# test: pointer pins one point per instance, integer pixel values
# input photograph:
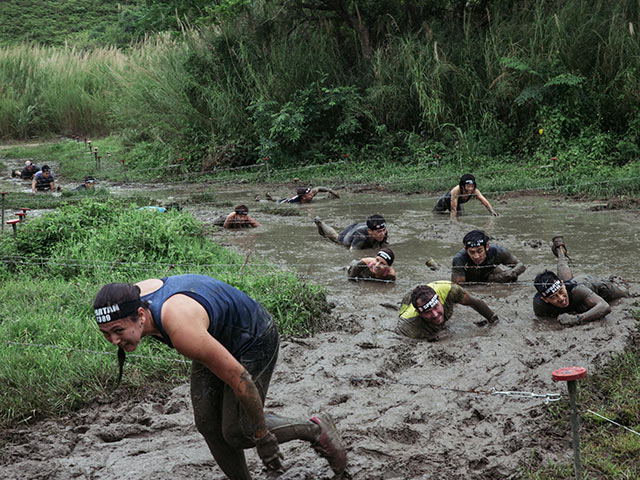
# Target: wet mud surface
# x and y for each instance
(406, 409)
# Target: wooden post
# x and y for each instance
(3, 194)
(555, 161)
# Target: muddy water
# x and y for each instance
(394, 400)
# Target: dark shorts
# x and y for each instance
(215, 403)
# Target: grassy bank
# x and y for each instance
(608, 451)
(52, 358)
(432, 175)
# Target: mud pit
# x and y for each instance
(392, 398)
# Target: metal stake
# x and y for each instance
(3, 194)
(570, 375)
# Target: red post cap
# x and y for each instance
(4, 193)
(25, 209)
(568, 374)
(13, 222)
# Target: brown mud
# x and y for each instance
(406, 409)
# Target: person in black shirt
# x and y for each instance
(574, 300)
(357, 236)
(481, 262)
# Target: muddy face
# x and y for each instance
(560, 299)
(478, 254)
(125, 333)
(379, 267)
(434, 315)
(378, 234)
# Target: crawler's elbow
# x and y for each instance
(606, 310)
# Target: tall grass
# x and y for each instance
(259, 84)
(50, 90)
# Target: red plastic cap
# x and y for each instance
(13, 222)
(569, 373)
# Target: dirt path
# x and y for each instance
(395, 400)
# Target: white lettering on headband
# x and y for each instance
(116, 311)
(470, 182)
(475, 243)
(430, 304)
(553, 288)
(384, 255)
(379, 226)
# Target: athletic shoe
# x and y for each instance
(556, 243)
(328, 443)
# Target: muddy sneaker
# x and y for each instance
(269, 197)
(556, 243)
(328, 443)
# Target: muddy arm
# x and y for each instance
(357, 268)
(229, 220)
(316, 190)
(485, 202)
(480, 307)
(599, 308)
(454, 202)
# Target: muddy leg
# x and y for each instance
(325, 230)
(564, 272)
(207, 393)
(614, 287)
(287, 429)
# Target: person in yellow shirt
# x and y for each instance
(425, 310)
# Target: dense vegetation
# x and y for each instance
(299, 83)
(50, 273)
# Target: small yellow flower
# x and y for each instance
(540, 131)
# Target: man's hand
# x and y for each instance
(269, 451)
(568, 320)
(502, 273)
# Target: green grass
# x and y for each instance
(51, 359)
(608, 451)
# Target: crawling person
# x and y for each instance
(480, 262)
(173, 206)
(357, 236)
(304, 195)
(233, 343)
(87, 186)
(43, 180)
(574, 300)
(425, 311)
(463, 192)
(378, 268)
(239, 218)
(27, 172)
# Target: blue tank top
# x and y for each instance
(235, 319)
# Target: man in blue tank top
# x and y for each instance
(233, 343)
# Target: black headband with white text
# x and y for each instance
(430, 304)
(116, 311)
(551, 289)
